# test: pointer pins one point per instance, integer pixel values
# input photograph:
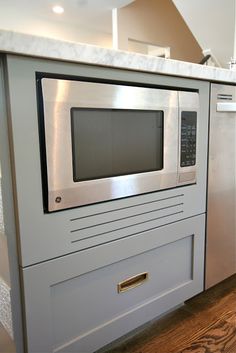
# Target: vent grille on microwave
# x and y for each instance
(104, 227)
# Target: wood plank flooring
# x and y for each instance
(205, 324)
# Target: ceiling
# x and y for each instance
(88, 13)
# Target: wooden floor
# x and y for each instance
(205, 324)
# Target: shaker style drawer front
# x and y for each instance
(94, 296)
(83, 301)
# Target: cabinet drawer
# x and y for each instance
(86, 305)
(94, 296)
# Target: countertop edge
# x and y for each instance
(49, 48)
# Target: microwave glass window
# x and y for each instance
(108, 142)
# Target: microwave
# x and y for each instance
(104, 141)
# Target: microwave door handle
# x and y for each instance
(226, 107)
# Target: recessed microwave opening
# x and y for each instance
(115, 142)
(106, 141)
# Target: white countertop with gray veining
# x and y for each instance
(36, 46)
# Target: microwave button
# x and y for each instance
(188, 138)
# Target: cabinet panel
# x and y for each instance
(46, 236)
(94, 296)
(74, 303)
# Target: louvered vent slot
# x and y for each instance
(100, 228)
(226, 97)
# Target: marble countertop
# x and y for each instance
(36, 46)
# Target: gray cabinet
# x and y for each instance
(78, 266)
(80, 302)
(46, 236)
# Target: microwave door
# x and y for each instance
(106, 141)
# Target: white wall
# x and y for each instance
(157, 22)
(12, 18)
(212, 24)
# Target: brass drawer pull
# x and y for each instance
(132, 282)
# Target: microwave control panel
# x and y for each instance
(188, 139)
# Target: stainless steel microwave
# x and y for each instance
(105, 141)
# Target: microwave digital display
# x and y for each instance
(112, 142)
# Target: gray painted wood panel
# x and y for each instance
(73, 301)
(72, 260)
(10, 234)
(46, 236)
